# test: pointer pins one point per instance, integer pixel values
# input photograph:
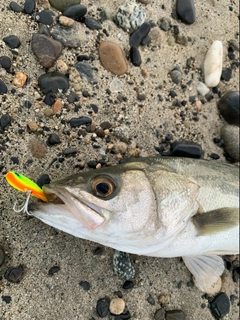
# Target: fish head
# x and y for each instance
(108, 205)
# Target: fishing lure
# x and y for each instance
(22, 183)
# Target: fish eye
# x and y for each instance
(103, 186)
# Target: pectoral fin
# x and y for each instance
(206, 270)
(215, 221)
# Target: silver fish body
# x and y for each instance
(162, 207)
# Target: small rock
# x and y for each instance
(181, 39)
(19, 79)
(130, 16)
(53, 270)
(72, 97)
(184, 149)
(77, 122)
(5, 121)
(123, 265)
(57, 106)
(135, 56)
(112, 57)
(137, 36)
(52, 82)
(85, 285)
(49, 98)
(92, 24)
(128, 285)
(230, 135)
(70, 37)
(44, 17)
(105, 125)
(46, 50)
(202, 89)
(176, 76)
(121, 147)
(53, 139)
(87, 72)
(220, 306)
(175, 315)
(2, 255)
(102, 307)
(6, 299)
(75, 12)
(213, 64)
(5, 62)
(159, 314)
(229, 107)
(66, 22)
(226, 74)
(61, 5)
(156, 36)
(33, 126)
(43, 180)
(38, 148)
(122, 133)
(29, 6)
(117, 306)
(164, 299)
(3, 87)
(15, 7)
(14, 274)
(186, 11)
(12, 41)
(48, 112)
(165, 24)
(116, 85)
(150, 300)
(70, 151)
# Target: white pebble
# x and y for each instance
(202, 89)
(213, 64)
(117, 306)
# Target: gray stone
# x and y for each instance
(87, 72)
(61, 5)
(123, 265)
(176, 76)
(70, 37)
(230, 136)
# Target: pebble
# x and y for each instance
(85, 285)
(75, 12)
(46, 50)
(2, 255)
(156, 36)
(116, 85)
(61, 66)
(44, 17)
(226, 74)
(15, 7)
(159, 314)
(92, 24)
(5, 121)
(117, 306)
(77, 122)
(14, 160)
(3, 87)
(70, 151)
(48, 112)
(57, 106)
(53, 270)
(122, 133)
(27, 104)
(61, 5)
(105, 125)
(164, 299)
(135, 56)
(53, 139)
(72, 97)
(6, 299)
(70, 37)
(229, 107)
(52, 82)
(213, 64)
(186, 11)
(38, 148)
(176, 76)
(220, 306)
(202, 89)
(181, 39)
(137, 36)
(29, 6)
(184, 149)
(14, 274)
(123, 265)
(150, 300)
(130, 16)
(120, 147)
(112, 57)
(19, 79)
(12, 41)
(102, 307)
(175, 315)
(43, 29)
(230, 135)
(33, 126)
(128, 285)
(66, 22)
(87, 72)
(43, 180)
(165, 24)
(5, 62)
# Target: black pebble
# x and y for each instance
(123, 316)
(92, 164)
(137, 36)
(135, 56)
(15, 160)
(6, 299)
(94, 107)
(75, 12)
(220, 306)
(235, 274)
(12, 41)
(27, 104)
(5, 62)
(53, 270)
(214, 156)
(85, 285)
(49, 99)
(226, 74)
(77, 122)
(43, 179)
(5, 121)
(14, 274)
(102, 307)
(73, 97)
(52, 81)
(186, 11)
(159, 314)
(105, 125)
(44, 17)
(83, 57)
(184, 149)
(15, 7)
(175, 315)
(53, 139)
(29, 6)
(2, 255)
(98, 251)
(128, 284)
(151, 300)
(92, 24)
(3, 87)
(209, 96)
(141, 97)
(229, 107)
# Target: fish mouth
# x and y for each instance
(63, 203)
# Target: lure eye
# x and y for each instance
(103, 186)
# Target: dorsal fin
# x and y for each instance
(215, 221)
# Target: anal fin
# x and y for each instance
(206, 270)
(215, 221)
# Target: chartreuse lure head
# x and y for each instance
(22, 183)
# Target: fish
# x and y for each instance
(155, 206)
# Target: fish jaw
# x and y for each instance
(83, 213)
